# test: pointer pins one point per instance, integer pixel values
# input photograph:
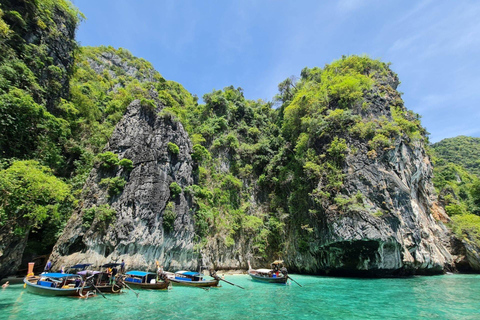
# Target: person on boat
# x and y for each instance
(48, 266)
(114, 273)
(213, 273)
(122, 267)
(63, 269)
(108, 271)
(159, 271)
(6, 284)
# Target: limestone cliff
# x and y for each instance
(340, 184)
(137, 233)
(384, 219)
(404, 235)
(352, 186)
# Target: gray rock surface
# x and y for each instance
(397, 226)
(396, 229)
(404, 237)
(11, 250)
(138, 234)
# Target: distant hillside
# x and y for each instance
(461, 150)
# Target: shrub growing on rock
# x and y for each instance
(127, 164)
(108, 160)
(169, 216)
(175, 189)
(114, 185)
(103, 214)
(173, 148)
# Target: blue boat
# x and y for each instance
(145, 280)
(57, 284)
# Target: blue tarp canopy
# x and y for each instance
(189, 273)
(58, 275)
(81, 266)
(138, 273)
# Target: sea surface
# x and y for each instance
(436, 297)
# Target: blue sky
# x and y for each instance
(433, 45)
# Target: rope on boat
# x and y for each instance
(126, 285)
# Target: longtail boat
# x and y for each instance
(101, 281)
(191, 279)
(57, 284)
(145, 280)
(277, 274)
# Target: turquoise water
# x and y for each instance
(440, 297)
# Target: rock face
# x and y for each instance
(403, 238)
(138, 233)
(392, 223)
(11, 251)
(465, 253)
(384, 219)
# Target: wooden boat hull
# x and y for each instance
(268, 279)
(109, 289)
(46, 291)
(199, 284)
(153, 286)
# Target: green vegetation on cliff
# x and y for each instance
(260, 171)
(463, 151)
(456, 178)
(234, 140)
(32, 197)
(36, 62)
(290, 159)
(37, 49)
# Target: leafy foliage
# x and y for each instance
(103, 214)
(169, 216)
(173, 148)
(458, 187)
(127, 164)
(108, 160)
(467, 226)
(175, 189)
(114, 185)
(30, 194)
(461, 150)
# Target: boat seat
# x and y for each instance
(46, 284)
